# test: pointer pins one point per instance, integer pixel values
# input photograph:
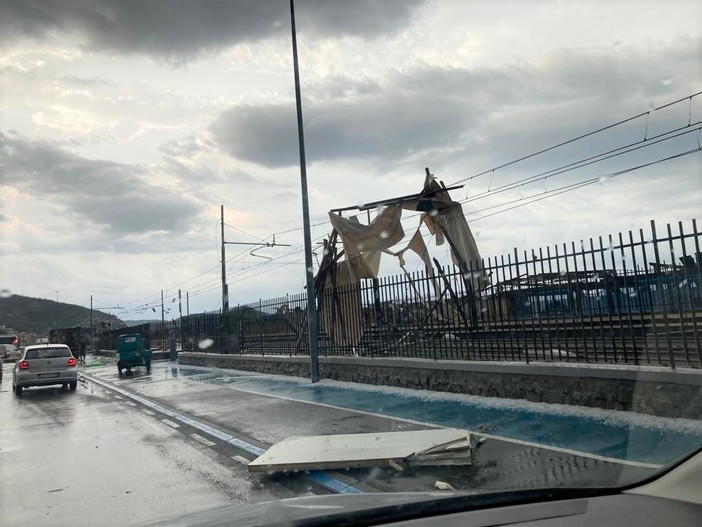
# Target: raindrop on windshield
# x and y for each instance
(5, 293)
(384, 235)
(433, 213)
(205, 343)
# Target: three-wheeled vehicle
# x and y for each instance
(131, 353)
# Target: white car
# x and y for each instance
(44, 366)
(9, 352)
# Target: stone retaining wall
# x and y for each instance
(648, 390)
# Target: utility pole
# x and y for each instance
(92, 340)
(311, 297)
(163, 318)
(225, 289)
(187, 302)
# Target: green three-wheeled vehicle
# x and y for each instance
(131, 353)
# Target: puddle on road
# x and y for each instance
(621, 435)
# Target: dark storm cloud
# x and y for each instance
(384, 126)
(113, 196)
(174, 29)
(491, 112)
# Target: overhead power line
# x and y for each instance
(154, 300)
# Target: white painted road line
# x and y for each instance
(170, 423)
(202, 440)
(241, 460)
(148, 412)
(319, 477)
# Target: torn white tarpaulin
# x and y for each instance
(340, 306)
(445, 446)
(445, 220)
(363, 244)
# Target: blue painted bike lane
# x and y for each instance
(612, 434)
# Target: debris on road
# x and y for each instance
(445, 446)
(442, 485)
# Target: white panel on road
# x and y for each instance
(445, 446)
(170, 423)
(147, 412)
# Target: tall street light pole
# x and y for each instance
(225, 289)
(56, 296)
(309, 271)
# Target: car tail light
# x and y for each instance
(24, 365)
(72, 361)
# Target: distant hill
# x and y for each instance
(24, 314)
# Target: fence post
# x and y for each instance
(260, 310)
(654, 240)
(241, 329)
(526, 343)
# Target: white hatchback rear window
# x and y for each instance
(48, 353)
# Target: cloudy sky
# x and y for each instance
(125, 124)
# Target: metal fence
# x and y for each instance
(629, 299)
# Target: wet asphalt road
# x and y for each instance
(97, 457)
(90, 458)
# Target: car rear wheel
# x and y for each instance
(72, 385)
(148, 366)
(18, 391)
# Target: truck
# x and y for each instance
(75, 338)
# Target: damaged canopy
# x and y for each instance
(338, 281)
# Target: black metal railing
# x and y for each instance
(625, 299)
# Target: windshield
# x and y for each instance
(422, 245)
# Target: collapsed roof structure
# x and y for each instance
(337, 283)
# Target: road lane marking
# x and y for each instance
(117, 397)
(131, 403)
(202, 440)
(148, 412)
(247, 447)
(325, 480)
(170, 423)
(319, 477)
(241, 460)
